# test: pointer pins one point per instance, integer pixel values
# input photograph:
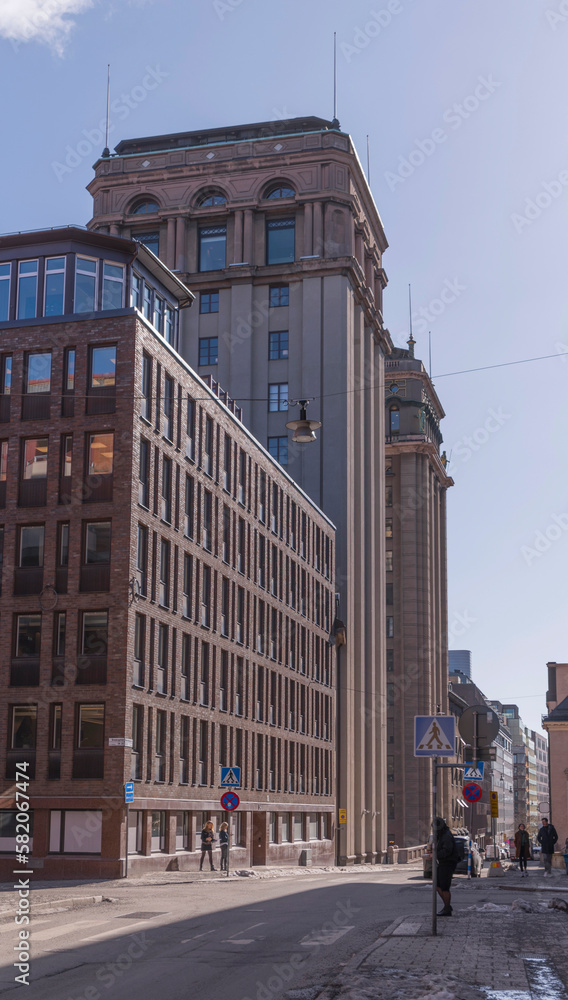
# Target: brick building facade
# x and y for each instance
(167, 590)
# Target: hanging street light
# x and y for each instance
(304, 429)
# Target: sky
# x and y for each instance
(465, 108)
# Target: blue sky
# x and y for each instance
(465, 107)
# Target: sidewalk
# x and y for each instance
(483, 952)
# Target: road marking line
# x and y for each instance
(10, 925)
(196, 936)
(58, 931)
(116, 932)
(239, 941)
(245, 929)
(325, 937)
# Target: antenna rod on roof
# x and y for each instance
(106, 150)
(335, 123)
(410, 307)
(368, 163)
(430, 352)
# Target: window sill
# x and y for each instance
(145, 420)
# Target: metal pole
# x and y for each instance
(434, 849)
(127, 829)
(229, 817)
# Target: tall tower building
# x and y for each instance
(416, 588)
(275, 227)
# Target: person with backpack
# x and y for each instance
(547, 837)
(447, 855)
(522, 849)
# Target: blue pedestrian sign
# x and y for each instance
(230, 777)
(129, 791)
(434, 735)
(474, 773)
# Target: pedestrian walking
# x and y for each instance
(448, 856)
(547, 837)
(224, 843)
(207, 841)
(523, 849)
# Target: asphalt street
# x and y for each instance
(242, 939)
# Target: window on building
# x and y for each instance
(144, 474)
(226, 534)
(158, 839)
(187, 585)
(54, 286)
(278, 448)
(5, 270)
(136, 291)
(164, 573)
(139, 650)
(280, 191)
(388, 527)
(278, 345)
(31, 545)
(189, 505)
(103, 367)
(227, 464)
(208, 350)
(168, 408)
(261, 561)
(212, 248)
(85, 284)
(209, 302)
(94, 639)
(394, 419)
(5, 371)
(207, 520)
(75, 831)
(24, 727)
(240, 615)
(277, 397)
(262, 497)
(390, 627)
(63, 544)
(204, 675)
(206, 596)
(166, 490)
(38, 372)
(203, 752)
(159, 313)
(388, 562)
(190, 428)
(208, 447)
(55, 727)
(27, 289)
(225, 592)
(242, 477)
(280, 241)
(150, 240)
(147, 300)
(90, 732)
(146, 398)
(389, 593)
(390, 661)
(69, 370)
(113, 286)
(145, 208)
(59, 632)
(224, 682)
(388, 496)
(97, 542)
(162, 663)
(208, 200)
(100, 454)
(279, 295)
(28, 635)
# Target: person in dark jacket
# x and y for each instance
(547, 837)
(522, 849)
(207, 839)
(224, 844)
(448, 856)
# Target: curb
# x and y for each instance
(73, 903)
(330, 991)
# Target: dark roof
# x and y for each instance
(560, 713)
(233, 133)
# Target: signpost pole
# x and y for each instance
(229, 817)
(434, 848)
(127, 829)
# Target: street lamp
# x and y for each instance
(304, 429)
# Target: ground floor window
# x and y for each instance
(182, 831)
(285, 827)
(8, 831)
(159, 830)
(75, 831)
(135, 828)
(313, 826)
(273, 826)
(298, 826)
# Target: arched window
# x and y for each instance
(394, 419)
(145, 208)
(214, 198)
(280, 191)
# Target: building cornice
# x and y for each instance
(421, 447)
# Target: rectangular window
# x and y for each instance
(227, 464)
(240, 637)
(278, 345)
(208, 447)
(113, 286)
(170, 326)
(103, 367)
(136, 291)
(169, 408)
(139, 639)
(59, 630)
(209, 302)
(389, 594)
(388, 527)
(63, 544)
(85, 285)
(224, 682)
(225, 591)
(167, 490)
(159, 313)
(388, 496)
(66, 455)
(97, 542)
(277, 397)
(390, 626)
(162, 666)
(147, 300)
(28, 635)
(204, 675)
(298, 826)
(158, 842)
(207, 520)
(185, 667)
(388, 562)
(27, 289)
(55, 727)
(164, 573)
(75, 831)
(100, 454)
(206, 596)
(203, 752)
(5, 372)
(90, 732)
(226, 534)
(4, 292)
(280, 243)
(208, 350)
(187, 584)
(212, 248)
(278, 448)
(24, 726)
(262, 497)
(144, 474)
(54, 286)
(190, 444)
(241, 545)
(31, 545)
(69, 370)
(146, 400)
(189, 505)
(38, 372)
(150, 240)
(94, 640)
(242, 477)
(279, 295)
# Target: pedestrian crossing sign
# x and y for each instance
(230, 777)
(474, 772)
(434, 736)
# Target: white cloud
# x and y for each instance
(45, 21)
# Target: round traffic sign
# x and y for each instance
(472, 791)
(480, 718)
(230, 801)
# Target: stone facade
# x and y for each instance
(170, 611)
(275, 228)
(556, 725)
